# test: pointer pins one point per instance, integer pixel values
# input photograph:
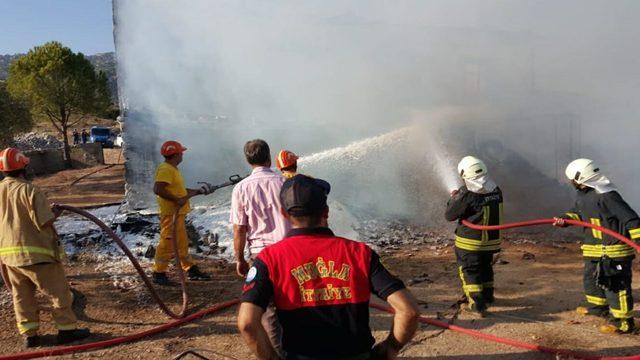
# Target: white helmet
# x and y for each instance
(581, 170)
(471, 167)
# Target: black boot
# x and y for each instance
(487, 294)
(67, 336)
(32, 341)
(161, 279)
(195, 274)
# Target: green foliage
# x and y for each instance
(58, 83)
(14, 116)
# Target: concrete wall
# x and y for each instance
(45, 162)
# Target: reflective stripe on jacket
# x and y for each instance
(482, 209)
(608, 210)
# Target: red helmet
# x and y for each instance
(171, 148)
(12, 159)
(286, 159)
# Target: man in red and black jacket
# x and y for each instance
(321, 285)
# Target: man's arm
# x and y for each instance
(456, 206)
(626, 215)
(239, 243)
(250, 326)
(405, 322)
(160, 189)
(573, 214)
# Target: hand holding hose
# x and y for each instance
(559, 222)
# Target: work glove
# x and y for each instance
(206, 189)
(559, 222)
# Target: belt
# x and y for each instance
(363, 356)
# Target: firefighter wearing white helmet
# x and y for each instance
(479, 201)
(607, 261)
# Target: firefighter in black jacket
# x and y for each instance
(607, 261)
(480, 202)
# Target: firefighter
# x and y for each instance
(607, 261)
(479, 201)
(321, 285)
(30, 250)
(171, 194)
(287, 163)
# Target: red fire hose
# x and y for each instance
(136, 264)
(121, 340)
(550, 222)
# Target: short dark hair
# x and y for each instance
(257, 152)
(308, 221)
(15, 173)
(292, 168)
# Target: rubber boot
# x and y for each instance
(474, 310)
(599, 311)
(618, 326)
(67, 336)
(487, 295)
(195, 274)
(161, 279)
(32, 341)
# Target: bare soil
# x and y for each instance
(88, 187)
(538, 287)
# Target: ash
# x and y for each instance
(390, 235)
(35, 141)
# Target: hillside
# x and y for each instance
(102, 62)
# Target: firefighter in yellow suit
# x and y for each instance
(30, 250)
(172, 195)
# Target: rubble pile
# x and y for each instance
(35, 141)
(393, 235)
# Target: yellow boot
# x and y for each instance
(582, 311)
(609, 329)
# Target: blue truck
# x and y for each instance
(102, 135)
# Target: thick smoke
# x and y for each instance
(526, 85)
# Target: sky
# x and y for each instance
(83, 25)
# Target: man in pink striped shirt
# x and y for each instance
(257, 220)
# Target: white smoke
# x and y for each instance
(526, 85)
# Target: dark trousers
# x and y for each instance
(476, 273)
(617, 299)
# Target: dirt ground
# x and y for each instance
(538, 288)
(89, 187)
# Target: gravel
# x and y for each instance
(35, 141)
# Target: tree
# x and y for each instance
(14, 116)
(59, 83)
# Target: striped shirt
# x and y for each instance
(255, 203)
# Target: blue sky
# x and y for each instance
(83, 25)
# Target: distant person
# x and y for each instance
(76, 137)
(479, 201)
(85, 136)
(287, 163)
(607, 261)
(30, 250)
(257, 220)
(173, 195)
(321, 285)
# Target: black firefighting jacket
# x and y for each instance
(612, 212)
(482, 209)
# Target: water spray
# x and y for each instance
(358, 150)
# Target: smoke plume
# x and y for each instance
(525, 85)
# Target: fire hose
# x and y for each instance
(224, 305)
